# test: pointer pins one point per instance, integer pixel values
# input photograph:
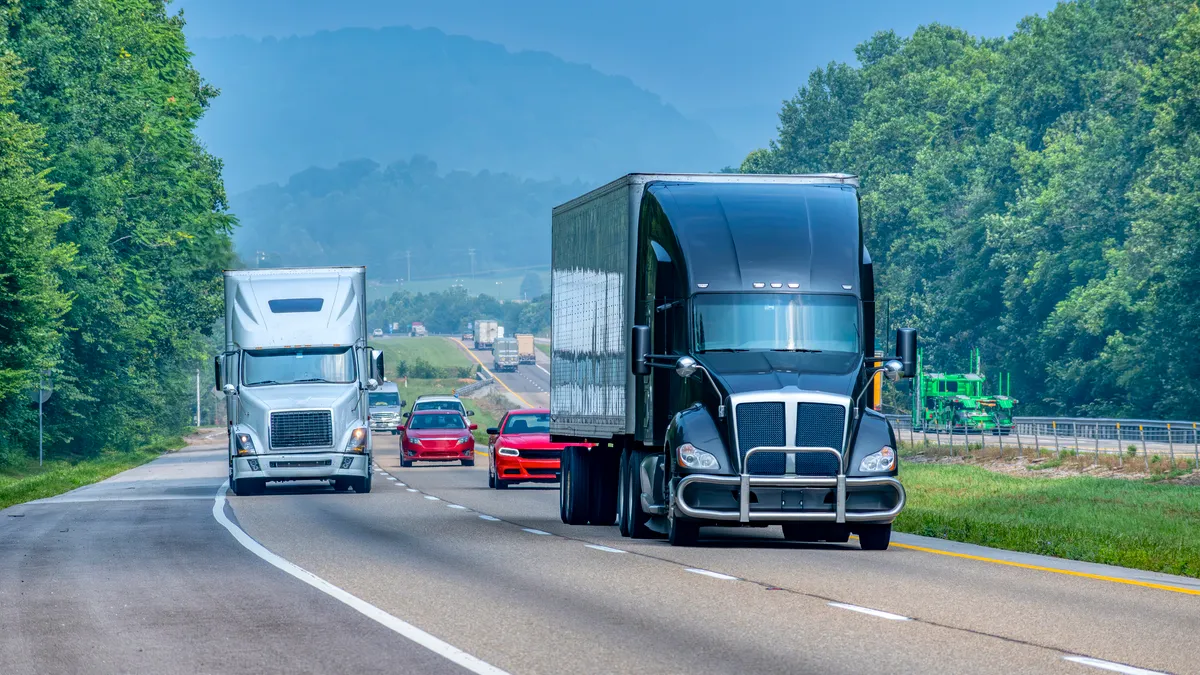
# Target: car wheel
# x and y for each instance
(468, 462)
(502, 484)
(406, 463)
(491, 475)
(874, 537)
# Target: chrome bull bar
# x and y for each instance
(745, 481)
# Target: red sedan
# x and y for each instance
(521, 450)
(436, 436)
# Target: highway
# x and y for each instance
(159, 570)
(528, 387)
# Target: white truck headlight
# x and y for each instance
(691, 457)
(358, 440)
(508, 452)
(884, 460)
(245, 444)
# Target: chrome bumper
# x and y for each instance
(744, 482)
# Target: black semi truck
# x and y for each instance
(713, 353)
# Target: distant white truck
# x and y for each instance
(296, 372)
(526, 352)
(486, 332)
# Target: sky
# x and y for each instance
(730, 64)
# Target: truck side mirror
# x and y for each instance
(906, 349)
(219, 368)
(639, 344)
(377, 365)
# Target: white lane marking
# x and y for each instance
(1114, 667)
(484, 516)
(411, 490)
(385, 473)
(390, 478)
(401, 484)
(867, 610)
(433, 644)
(539, 366)
(457, 506)
(606, 549)
(530, 530)
(431, 498)
(715, 575)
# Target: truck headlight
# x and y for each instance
(884, 460)
(508, 452)
(245, 444)
(691, 457)
(358, 440)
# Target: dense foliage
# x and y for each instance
(316, 100)
(405, 214)
(1038, 196)
(450, 311)
(113, 228)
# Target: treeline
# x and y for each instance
(405, 216)
(113, 228)
(1036, 195)
(449, 312)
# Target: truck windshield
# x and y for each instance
(293, 366)
(384, 399)
(775, 321)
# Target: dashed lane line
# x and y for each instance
(1112, 666)
(394, 623)
(867, 610)
(606, 549)
(709, 573)
(530, 530)
(490, 373)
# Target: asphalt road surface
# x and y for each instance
(528, 387)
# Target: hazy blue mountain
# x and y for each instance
(385, 94)
(362, 213)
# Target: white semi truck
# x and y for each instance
(296, 372)
(486, 332)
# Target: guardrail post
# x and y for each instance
(1195, 446)
(1020, 448)
(1054, 427)
(1075, 433)
(1120, 450)
(1145, 453)
(1096, 433)
(1037, 442)
(1171, 446)
(1000, 438)
(938, 435)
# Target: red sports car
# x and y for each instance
(521, 450)
(437, 436)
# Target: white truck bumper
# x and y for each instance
(302, 466)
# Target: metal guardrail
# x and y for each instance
(1104, 429)
(473, 387)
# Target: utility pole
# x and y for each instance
(471, 252)
(408, 257)
(41, 400)
(197, 397)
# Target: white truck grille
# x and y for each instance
(301, 429)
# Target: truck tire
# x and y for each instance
(812, 532)
(341, 484)
(630, 518)
(248, 487)
(874, 537)
(605, 471)
(363, 485)
(682, 532)
(574, 487)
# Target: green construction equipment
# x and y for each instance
(957, 402)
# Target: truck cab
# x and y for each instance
(296, 373)
(713, 358)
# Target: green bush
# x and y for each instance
(424, 370)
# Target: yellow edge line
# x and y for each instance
(1100, 577)
(490, 373)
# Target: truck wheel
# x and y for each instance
(248, 487)
(682, 532)
(630, 517)
(874, 537)
(574, 487)
(340, 485)
(810, 532)
(363, 485)
(605, 471)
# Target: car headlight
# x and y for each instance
(245, 444)
(358, 440)
(466, 439)
(691, 457)
(508, 452)
(884, 460)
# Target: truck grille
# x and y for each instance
(302, 429)
(819, 425)
(758, 425)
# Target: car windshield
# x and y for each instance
(439, 405)
(528, 423)
(292, 366)
(384, 399)
(775, 321)
(437, 421)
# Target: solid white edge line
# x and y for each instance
(542, 369)
(530, 530)
(403, 628)
(1109, 665)
(867, 610)
(606, 549)
(715, 575)
(484, 516)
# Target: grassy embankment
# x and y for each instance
(545, 349)
(439, 353)
(25, 481)
(1138, 523)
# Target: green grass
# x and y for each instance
(439, 352)
(545, 348)
(482, 418)
(502, 286)
(1137, 524)
(19, 484)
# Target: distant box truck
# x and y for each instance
(526, 352)
(298, 412)
(714, 347)
(504, 354)
(486, 332)
(418, 329)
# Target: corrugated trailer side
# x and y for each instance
(593, 244)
